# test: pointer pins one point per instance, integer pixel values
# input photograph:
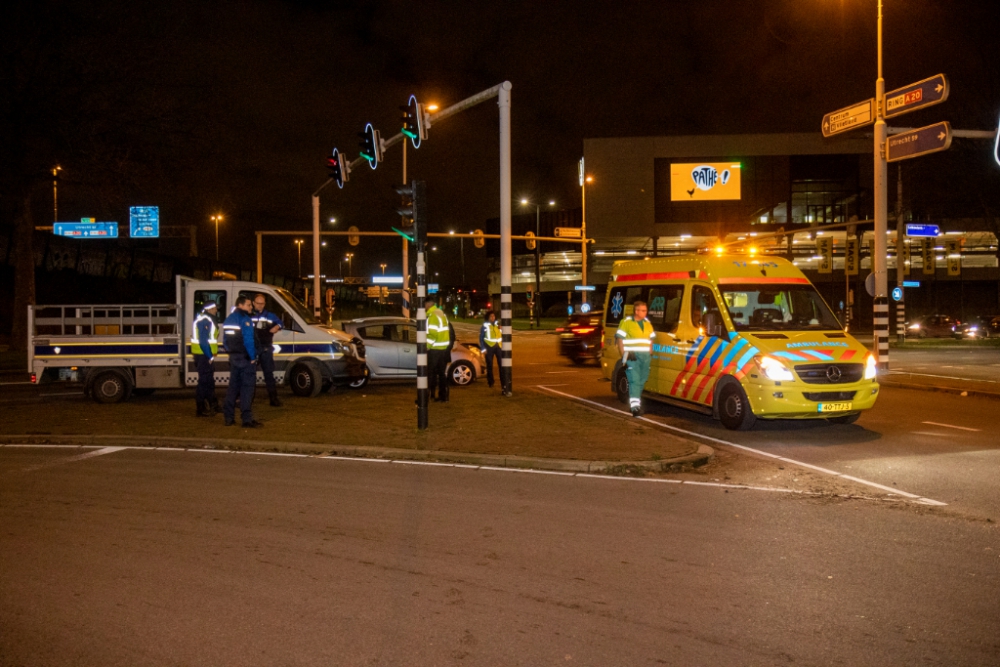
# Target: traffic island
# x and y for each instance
(477, 426)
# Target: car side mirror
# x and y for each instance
(712, 323)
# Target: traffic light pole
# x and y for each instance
(420, 240)
(406, 256)
(506, 345)
(317, 306)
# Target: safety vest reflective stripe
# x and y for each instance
(213, 340)
(492, 334)
(635, 338)
(438, 336)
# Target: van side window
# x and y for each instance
(201, 297)
(665, 307)
(287, 321)
(620, 302)
(702, 301)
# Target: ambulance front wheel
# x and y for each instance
(734, 408)
(620, 383)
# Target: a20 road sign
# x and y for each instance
(849, 118)
(922, 141)
(916, 96)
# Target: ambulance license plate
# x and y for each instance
(834, 407)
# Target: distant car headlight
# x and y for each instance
(871, 367)
(973, 328)
(774, 369)
(914, 326)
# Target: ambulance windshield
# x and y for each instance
(778, 307)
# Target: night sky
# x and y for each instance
(232, 107)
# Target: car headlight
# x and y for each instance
(914, 326)
(871, 367)
(973, 328)
(774, 369)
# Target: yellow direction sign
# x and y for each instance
(849, 118)
(567, 232)
(953, 256)
(851, 256)
(353, 239)
(531, 242)
(479, 240)
(824, 248)
(930, 261)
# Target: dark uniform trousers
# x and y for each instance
(205, 393)
(265, 357)
(437, 368)
(492, 352)
(242, 384)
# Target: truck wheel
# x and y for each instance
(110, 387)
(734, 408)
(306, 379)
(461, 374)
(361, 382)
(844, 419)
(620, 384)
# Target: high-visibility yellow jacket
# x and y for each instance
(489, 336)
(204, 336)
(636, 337)
(438, 337)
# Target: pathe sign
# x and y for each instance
(706, 181)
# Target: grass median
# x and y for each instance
(477, 420)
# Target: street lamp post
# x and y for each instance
(217, 219)
(298, 243)
(538, 258)
(55, 193)
(583, 230)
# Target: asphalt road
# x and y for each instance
(935, 445)
(151, 557)
(953, 363)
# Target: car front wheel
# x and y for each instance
(462, 373)
(361, 382)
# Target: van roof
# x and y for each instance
(715, 268)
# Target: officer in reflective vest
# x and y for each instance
(204, 348)
(238, 337)
(266, 324)
(634, 339)
(489, 343)
(438, 350)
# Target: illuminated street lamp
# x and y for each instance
(217, 219)
(383, 268)
(538, 255)
(55, 193)
(299, 242)
(349, 257)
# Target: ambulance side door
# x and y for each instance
(704, 354)
(664, 314)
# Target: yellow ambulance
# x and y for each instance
(740, 337)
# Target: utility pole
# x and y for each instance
(503, 101)
(406, 256)
(900, 268)
(881, 299)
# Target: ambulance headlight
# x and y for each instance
(871, 367)
(774, 369)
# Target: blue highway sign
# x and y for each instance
(144, 222)
(922, 141)
(584, 288)
(916, 96)
(911, 283)
(87, 230)
(923, 231)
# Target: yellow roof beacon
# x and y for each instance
(740, 337)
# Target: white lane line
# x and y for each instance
(825, 471)
(63, 393)
(73, 459)
(6, 384)
(942, 377)
(960, 428)
(559, 372)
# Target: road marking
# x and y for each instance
(73, 459)
(559, 372)
(776, 457)
(5, 384)
(64, 393)
(960, 428)
(942, 377)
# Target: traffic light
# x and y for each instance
(371, 146)
(414, 210)
(339, 168)
(413, 121)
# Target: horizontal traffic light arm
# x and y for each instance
(440, 235)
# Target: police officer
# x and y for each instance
(489, 343)
(634, 339)
(438, 349)
(204, 348)
(238, 335)
(266, 324)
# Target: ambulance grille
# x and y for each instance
(823, 396)
(830, 373)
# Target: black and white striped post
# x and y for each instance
(506, 347)
(882, 332)
(419, 193)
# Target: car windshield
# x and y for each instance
(777, 308)
(300, 308)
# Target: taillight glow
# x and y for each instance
(584, 330)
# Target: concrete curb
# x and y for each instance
(945, 390)
(695, 460)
